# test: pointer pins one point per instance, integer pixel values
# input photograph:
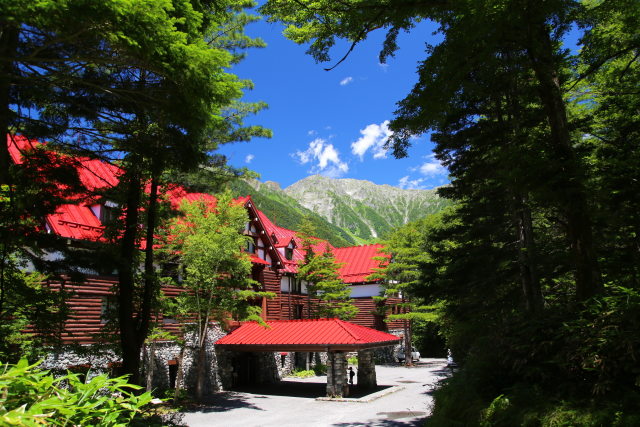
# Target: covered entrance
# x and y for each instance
(334, 336)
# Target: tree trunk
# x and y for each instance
(129, 341)
(571, 192)
(407, 343)
(526, 255)
(151, 365)
(179, 375)
(150, 283)
(200, 368)
(8, 45)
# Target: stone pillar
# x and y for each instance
(366, 369)
(336, 374)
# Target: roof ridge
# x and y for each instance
(341, 323)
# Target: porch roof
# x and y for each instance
(305, 335)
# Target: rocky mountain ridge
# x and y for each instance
(364, 209)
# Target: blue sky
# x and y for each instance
(332, 122)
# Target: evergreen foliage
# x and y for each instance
(320, 271)
(403, 255)
(141, 84)
(536, 266)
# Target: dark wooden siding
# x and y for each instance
(271, 281)
(88, 298)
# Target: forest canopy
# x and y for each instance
(536, 269)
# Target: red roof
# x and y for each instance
(17, 145)
(257, 260)
(95, 174)
(358, 261)
(75, 222)
(312, 334)
(78, 221)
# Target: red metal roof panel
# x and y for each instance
(323, 332)
(75, 222)
(358, 261)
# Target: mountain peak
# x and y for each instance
(365, 209)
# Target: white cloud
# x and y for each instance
(373, 137)
(326, 158)
(432, 167)
(346, 81)
(411, 184)
(249, 158)
(312, 132)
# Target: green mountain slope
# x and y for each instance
(287, 212)
(366, 210)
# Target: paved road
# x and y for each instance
(293, 403)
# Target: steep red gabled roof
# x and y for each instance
(358, 261)
(310, 334)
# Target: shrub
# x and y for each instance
(30, 396)
(303, 374)
(320, 369)
(353, 360)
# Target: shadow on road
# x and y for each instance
(224, 401)
(305, 389)
(384, 423)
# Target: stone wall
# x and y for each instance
(384, 355)
(166, 354)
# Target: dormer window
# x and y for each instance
(288, 251)
(106, 212)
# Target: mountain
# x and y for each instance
(364, 209)
(343, 211)
(286, 212)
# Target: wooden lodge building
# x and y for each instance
(275, 255)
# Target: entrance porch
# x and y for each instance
(333, 336)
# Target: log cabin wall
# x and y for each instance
(271, 282)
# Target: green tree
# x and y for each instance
(479, 33)
(218, 282)
(402, 259)
(86, 78)
(320, 270)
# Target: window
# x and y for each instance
(296, 285)
(262, 254)
(285, 284)
(109, 308)
(108, 212)
(250, 248)
(288, 253)
(297, 311)
(173, 270)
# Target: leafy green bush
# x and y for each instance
(303, 373)
(30, 396)
(320, 369)
(353, 360)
